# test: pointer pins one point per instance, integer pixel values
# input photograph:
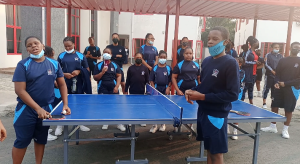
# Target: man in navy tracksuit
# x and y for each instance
(219, 87)
(92, 54)
(271, 62)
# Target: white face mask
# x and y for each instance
(71, 51)
(162, 61)
(106, 56)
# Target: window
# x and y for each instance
(92, 23)
(199, 46)
(137, 43)
(266, 48)
(13, 30)
(75, 22)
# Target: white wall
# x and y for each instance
(85, 28)
(103, 29)
(245, 31)
(155, 24)
(6, 60)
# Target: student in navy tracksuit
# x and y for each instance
(259, 72)
(137, 77)
(118, 56)
(149, 52)
(71, 62)
(287, 88)
(108, 75)
(34, 84)
(251, 62)
(244, 48)
(183, 46)
(186, 74)
(230, 51)
(92, 54)
(271, 62)
(219, 87)
(160, 78)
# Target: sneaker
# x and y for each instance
(50, 131)
(51, 137)
(129, 125)
(259, 94)
(153, 129)
(58, 130)
(121, 127)
(228, 130)
(175, 129)
(298, 107)
(269, 129)
(192, 127)
(162, 128)
(246, 95)
(234, 133)
(265, 106)
(255, 93)
(84, 128)
(285, 134)
(143, 125)
(104, 127)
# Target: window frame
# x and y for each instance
(76, 36)
(15, 41)
(134, 46)
(201, 49)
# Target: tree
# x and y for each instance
(215, 21)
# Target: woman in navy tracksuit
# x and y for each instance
(251, 62)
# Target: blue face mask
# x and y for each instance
(162, 61)
(38, 56)
(106, 56)
(216, 49)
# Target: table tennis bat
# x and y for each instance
(57, 117)
(240, 113)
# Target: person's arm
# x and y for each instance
(147, 65)
(278, 72)
(66, 75)
(3, 134)
(146, 76)
(267, 66)
(128, 77)
(156, 58)
(152, 78)
(175, 74)
(249, 59)
(61, 84)
(116, 89)
(99, 75)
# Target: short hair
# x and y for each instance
(29, 37)
(251, 40)
(147, 35)
(69, 39)
(185, 38)
(188, 49)
(106, 49)
(48, 51)
(137, 53)
(114, 34)
(91, 38)
(244, 46)
(162, 52)
(223, 30)
(273, 44)
(294, 43)
(240, 59)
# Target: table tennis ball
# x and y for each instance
(64, 112)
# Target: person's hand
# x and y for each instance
(67, 109)
(258, 63)
(125, 93)
(104, 69)
(168, 91)
(76, 73)
(2, 132)
(277, 86)
(42, 114)
(119, 56)
(187, 96)
(281, 84)
(273, 72)
(150, 68)
(180, 93)
(68, 76)
(116, 90)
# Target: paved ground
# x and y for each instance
(156, 147)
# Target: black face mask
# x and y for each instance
(184, 43)
(295, 51)
(115, 40)
(138, 61)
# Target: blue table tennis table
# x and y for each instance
(153, 108)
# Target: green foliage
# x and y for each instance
(215, 21)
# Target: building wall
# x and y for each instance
(85, 28)
(58, 25)
(103, 29)
(136, 27)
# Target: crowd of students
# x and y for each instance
(41, 82)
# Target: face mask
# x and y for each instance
(216, 49)
(150, 42)
(71, 51)
(126, 49)
(115, 40)
(162, 61)
(138, 61)
(106, 56)
(184, 43)
(295, 51)
(276, 51)
(38, 56)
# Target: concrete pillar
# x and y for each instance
(114, 23)
(57, 30)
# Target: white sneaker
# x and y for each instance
(246, 95)
(50, 131)
(51, 137)
(259, 94)
(153, 129)
(59, 130)
(234, 133)
(84, 128)
(298, 107)
(121, 127)
(285, 134)
(264, 106)
(162, 128)
(105, 127)
(175, 129)
(255, 93)
(228, 130)
(129, 125)
(143, 125)
(192, 127)
(269, 129)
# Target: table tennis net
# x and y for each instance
(174, 109)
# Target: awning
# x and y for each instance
(242, 9)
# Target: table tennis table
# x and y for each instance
(152, 108)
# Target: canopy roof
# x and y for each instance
(243, 9)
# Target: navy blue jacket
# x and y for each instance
(271, 63)
(220, 82)
(84, 81)
(248, 67)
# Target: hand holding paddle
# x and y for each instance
(240, 113)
